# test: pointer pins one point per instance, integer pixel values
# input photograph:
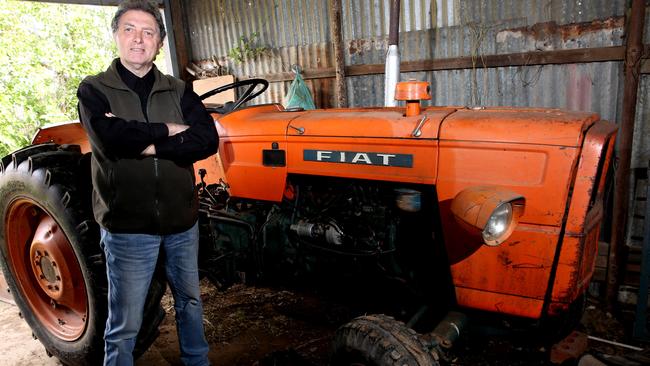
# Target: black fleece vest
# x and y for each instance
(146, 195)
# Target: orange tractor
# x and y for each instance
(429, 210)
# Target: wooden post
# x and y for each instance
(633, 53)
(341, 89)
(175, 12)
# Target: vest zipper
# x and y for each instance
(156, 201)
(155, 169)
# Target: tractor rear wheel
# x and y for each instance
(50, 253)
(379, 340)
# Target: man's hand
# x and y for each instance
(175, 128)
(149, 151)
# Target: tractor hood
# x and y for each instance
(518, 125)
(261, 145)
(504, 125)
(272, 120)
(369, 123)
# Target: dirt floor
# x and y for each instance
(262, 326)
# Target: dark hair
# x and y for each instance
(147, 6)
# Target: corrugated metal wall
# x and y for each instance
(298, 32)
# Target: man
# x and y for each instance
(146, 129)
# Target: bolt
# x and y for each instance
(395, 355)
(20, 315)
(58, 278)
(53, 264)
(53, 303)
(37, 262)
(41, 276)
(45, 253)
(49, 287)
(61, 321)
(38, 253)
(34, 336)
(56, 288)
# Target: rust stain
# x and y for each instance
(497, 307)
(503, 257)
(357, 46)
(544, 31)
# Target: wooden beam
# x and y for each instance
(556, 57)
(580, 55)
(181, 42)
(307, 74)
(341, 90)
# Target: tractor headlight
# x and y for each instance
(498, 223)
(491, 211)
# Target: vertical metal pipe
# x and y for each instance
(392, 56)
(633, 52)
(393, 26)
(341, 91)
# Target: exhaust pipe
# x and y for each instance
(392, 56)
(448, 330)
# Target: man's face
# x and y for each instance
(138, 41)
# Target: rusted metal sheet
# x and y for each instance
(5, 295)
(430, 30)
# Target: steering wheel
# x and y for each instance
(247, 95)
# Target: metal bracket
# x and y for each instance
(300, 130)
(418, 129)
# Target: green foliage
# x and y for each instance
(45, 52)
(246, 48)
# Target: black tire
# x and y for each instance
(379, 340)
(50, 253)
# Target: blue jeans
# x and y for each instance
(130, 264)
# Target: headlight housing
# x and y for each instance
(492, 211)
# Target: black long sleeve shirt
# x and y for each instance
(127, 139)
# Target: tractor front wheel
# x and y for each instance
(50, 253)
(379, 340)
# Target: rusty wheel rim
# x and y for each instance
(46, 269)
